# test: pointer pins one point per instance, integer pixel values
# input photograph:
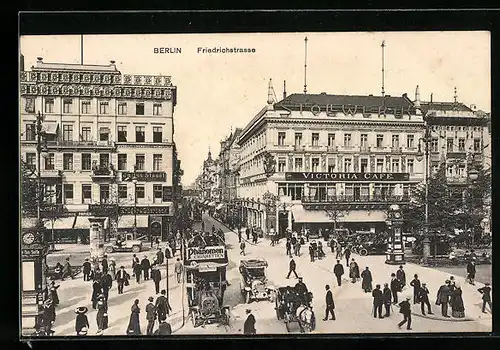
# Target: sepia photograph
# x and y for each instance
(255, 184)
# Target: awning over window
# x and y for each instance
(302, 215)
(82, 222)
(127, 221)
(50, 127)
(65, 223)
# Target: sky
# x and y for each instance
(218, 92)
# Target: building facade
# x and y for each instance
(108, 147)
(210, 181)
(311, 160)
(460, 136)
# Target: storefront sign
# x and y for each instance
(144, 210)
(207, 253)
(160, 176)
(32, 253)
(312, 176)
(207, 268)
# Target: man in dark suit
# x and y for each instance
(405, 309)
(150, 316)
(249, 326)
(423, 296)
(415, 283)
(401, 276)
(443, 298)
(156, 277)
(104, 263)
(330, 305)
(378, 301)
(106, 283)
(162, 306)
(338, 270)
(395, 288)
(145, 266)
(485, 291)
(247, 232)
(86, 268)
(122, 278)
(292, 267)
(347, 254)
(387, 298)
(471, 272)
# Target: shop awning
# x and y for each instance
(82, 222)
(219, 206)
(127, 221)
(302, 215)
(50, 127)
(61, 223)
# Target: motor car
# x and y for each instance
(254, 283)
(125, 243)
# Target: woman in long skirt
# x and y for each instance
(112, 268)
(53, 293)
(366, 280)
(102, 314)
(134, 327)
(457, 303)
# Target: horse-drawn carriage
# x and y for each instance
(292, 307)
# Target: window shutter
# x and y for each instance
(77, 161)
(58, 161)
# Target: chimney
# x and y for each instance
(417, 100)
(431, 98)
(284, 89)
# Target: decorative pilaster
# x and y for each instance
(372, 163)
(356, 163)
(403, 164)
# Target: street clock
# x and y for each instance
(28, 238)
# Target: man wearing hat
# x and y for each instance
(423, 296)
(48, 316)
(401, 276)
(104, 264)
(485, 291)
(249, 326)
(443, 298)
(471, 271)
(122, 278)
(301, 290)
(162, 306)
(145, 266)
(82, 322)
(150, 316)
(395, 288)
(405, 309)
(164, 328)
(86, 268)
(156, 277)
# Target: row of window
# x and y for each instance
(356, 192)
(86, 161)
(67, 195)
(455, 128)
(104, 133)
(86, 107)
(411, 142)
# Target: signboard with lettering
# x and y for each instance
(163, 210)
(312, 176)
(206, 253)
(160, 176)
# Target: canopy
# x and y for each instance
(50, 127)
(127, 221)
(63, 223)
(302, 215)
(82, 222)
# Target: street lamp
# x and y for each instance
(473, 174)
(426, 139)
(134, 181)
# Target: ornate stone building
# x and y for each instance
(309, 152)
(108, 144)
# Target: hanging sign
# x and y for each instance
(206, 253)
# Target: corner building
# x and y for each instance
(101, 130)
(355, 155)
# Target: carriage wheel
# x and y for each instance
(363, 252)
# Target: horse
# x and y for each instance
(305, 318)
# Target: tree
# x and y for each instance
(335, 212)
(29, 190)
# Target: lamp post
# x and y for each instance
(472, 176)
(134, 181)
(426, 139)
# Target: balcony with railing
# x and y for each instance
(355, 199)
(50, 173)
(61, 144)
(103, 171)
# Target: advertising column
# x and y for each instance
(96, 239)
